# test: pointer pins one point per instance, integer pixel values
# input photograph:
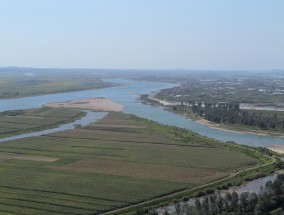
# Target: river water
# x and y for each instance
(128, 96)
(86, 120)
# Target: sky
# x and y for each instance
(143, 34)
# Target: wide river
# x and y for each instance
(128, 96)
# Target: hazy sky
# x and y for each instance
(195, 34)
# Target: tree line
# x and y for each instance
(230, 113)
(271, 197)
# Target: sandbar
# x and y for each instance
(97, 104)
(277, 148)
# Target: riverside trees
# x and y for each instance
(271, 197)
(230, 113)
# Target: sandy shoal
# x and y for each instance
(277, 148)
(98, 104)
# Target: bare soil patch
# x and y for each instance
(5, 157)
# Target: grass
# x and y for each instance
(119, 161)
(18, 122)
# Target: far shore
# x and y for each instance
(275, 148)
(223, 128)
(97, 104)
(167, 104)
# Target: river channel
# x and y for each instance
(128, 95)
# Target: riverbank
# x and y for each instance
(251, 186)
(169, 105)
(231, 129)
(277, 148)
(151, 97)
(96, 104)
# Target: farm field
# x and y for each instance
(23, 121)
(118, 161)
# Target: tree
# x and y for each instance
(235, 200)
(198, 206)
(206, 206)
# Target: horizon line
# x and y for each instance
(146, 69)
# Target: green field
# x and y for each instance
(23, 121)
(119, 161)
(17, 84)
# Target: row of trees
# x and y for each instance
(271, 197)
(231, 114)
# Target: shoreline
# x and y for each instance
(213, 125)
(277, 148)
(223, 128)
